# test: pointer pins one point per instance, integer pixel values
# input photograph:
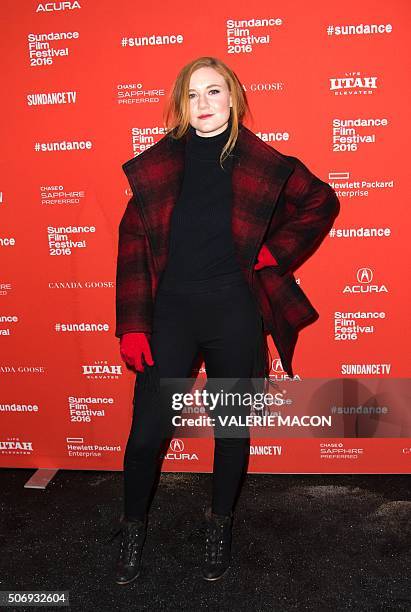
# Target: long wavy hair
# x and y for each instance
(176, 115)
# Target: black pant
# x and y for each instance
(226, 325)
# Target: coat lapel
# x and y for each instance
(257, 180)
(258, 176)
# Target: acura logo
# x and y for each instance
(276, 365)
(177, 446)
(364, 275)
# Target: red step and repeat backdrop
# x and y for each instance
(84, 84)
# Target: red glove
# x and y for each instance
(132, 348)
(264, 258)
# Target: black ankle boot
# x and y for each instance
(217, 545)
(132, 541)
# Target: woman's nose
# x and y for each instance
(202, 103)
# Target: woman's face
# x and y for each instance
(210, 102)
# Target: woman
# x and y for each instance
(207, 244)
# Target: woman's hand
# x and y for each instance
(133, 346)
(264, 258)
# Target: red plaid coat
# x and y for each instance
(276, 201)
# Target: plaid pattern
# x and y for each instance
(276, 201)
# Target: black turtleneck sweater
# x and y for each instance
(201, 252)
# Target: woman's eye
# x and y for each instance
(191, 95)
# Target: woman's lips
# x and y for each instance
(204, 116)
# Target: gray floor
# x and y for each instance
(321, 542)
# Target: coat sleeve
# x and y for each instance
(133, 281)
(307, 209)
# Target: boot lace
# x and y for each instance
(214, 543)
(132, 537)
